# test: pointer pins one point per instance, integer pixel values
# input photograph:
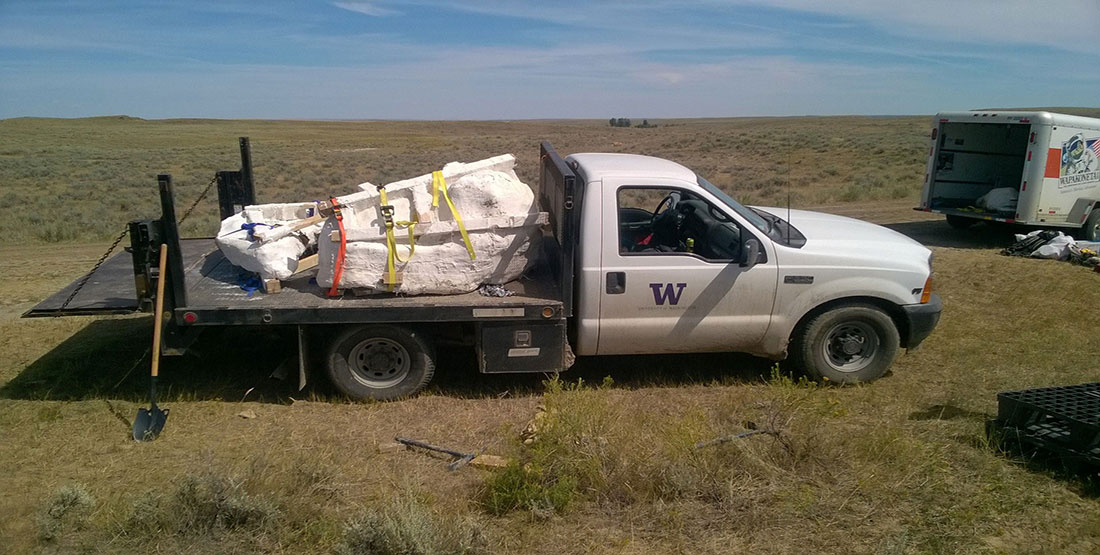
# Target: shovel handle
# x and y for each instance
(158, 313)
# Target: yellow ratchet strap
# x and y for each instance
(391, 244)
(440, 184)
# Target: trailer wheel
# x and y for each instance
(960, 222)
(845, 345)
(1091, 230)
(381, 363)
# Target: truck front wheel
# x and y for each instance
(380, 362)
(845, 345)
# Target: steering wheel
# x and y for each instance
(666, 223)
(671, 199)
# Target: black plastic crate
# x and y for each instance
(1064, 420)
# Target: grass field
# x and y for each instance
(897, 466)
(98, 173)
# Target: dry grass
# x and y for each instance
(66, 180)
(898, 466)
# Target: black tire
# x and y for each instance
(846, 345)
(380, 363)
(1091, 230)
(960, 222)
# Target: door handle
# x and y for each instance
(616, 283)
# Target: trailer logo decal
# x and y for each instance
(1079, 161)
(667, 292)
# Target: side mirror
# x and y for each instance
(750, 255)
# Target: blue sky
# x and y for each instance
(444, 59)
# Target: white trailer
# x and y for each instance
(1043, 169)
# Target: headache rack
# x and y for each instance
(1064, 421)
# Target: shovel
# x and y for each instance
(149, 423)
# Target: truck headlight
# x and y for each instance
(926, 293)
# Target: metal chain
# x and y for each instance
(118, 240)
(88, 276)
(197, 201)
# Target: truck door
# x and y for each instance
(672, 277)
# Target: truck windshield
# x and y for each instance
(755, 219)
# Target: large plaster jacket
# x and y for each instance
(497, 210)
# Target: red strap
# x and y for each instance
(338, 270)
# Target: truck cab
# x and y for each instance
(669, 263)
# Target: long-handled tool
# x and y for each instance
(462, 458)
(149, 423)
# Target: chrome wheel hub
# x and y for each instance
(850, 346)
(379, 362)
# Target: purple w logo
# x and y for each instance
(664, 292)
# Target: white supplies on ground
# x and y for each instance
(1001, 199)
(440, 233)
(278, 259)
(1057, 248)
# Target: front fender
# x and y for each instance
(793, 304)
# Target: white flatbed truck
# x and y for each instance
(642, 256)
(1052, 161)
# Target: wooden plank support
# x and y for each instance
(307, 263)
(278, 232)
(272, 286)
(489, 461)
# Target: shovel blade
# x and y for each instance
(148, 423)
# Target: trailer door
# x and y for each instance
(973, 158)
(1071, 172)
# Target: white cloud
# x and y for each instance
(1065, 25)
(365, 9)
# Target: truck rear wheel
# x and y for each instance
(381, 363)
(1091, 230)
(960, 222)
(845, 345)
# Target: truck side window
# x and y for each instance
(656, 220)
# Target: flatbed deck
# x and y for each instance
(110, 290)
(215, 296)
(526, 331)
